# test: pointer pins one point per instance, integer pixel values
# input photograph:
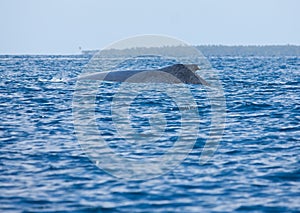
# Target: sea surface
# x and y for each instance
(45, 168)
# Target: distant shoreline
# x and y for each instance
(288, 50)
(235, 50)
(250, 50)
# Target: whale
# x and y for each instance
(173, 74)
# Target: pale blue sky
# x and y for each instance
(61, 26)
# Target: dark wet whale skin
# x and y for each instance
(181, 73)
(185, 73)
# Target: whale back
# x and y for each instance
(174, 74)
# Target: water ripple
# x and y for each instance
(256, 167)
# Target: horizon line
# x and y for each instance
(81, 51)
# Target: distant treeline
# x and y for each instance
(207, 50)
(251, 50)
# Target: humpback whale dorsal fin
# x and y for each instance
(186, 73)
(191, 67)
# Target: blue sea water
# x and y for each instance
(43, 168)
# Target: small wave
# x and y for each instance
(53, 80)
(58, 80)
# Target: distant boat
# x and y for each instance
(89, 52)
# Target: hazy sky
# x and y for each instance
(62, 26)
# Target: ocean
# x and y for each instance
(45, 167)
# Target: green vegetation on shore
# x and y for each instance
(212, 50)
